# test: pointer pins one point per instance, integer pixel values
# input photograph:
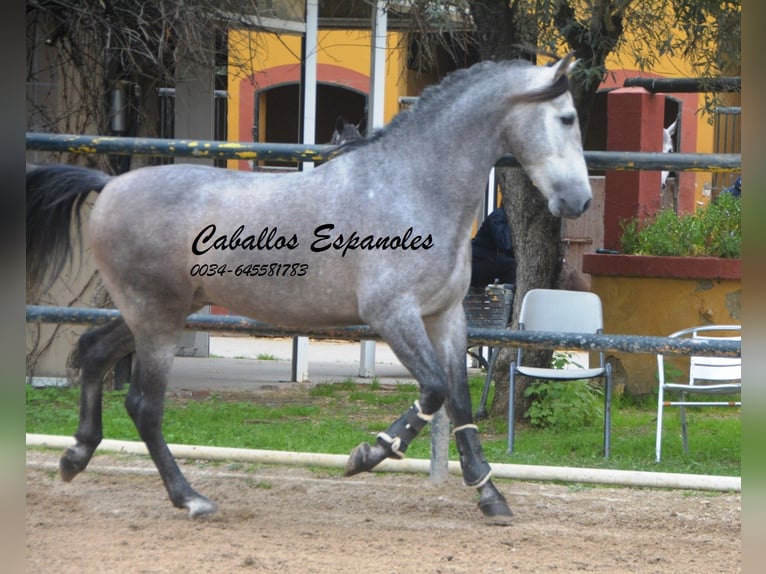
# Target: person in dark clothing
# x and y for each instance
(735, 189)
(492, 251)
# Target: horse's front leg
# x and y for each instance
(392, 443)
(97, 351)
(145, 404)
(424, 360)
(476, 470)
(406, 335)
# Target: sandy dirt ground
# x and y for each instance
(115, 518)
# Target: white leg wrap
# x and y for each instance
(421, 416)
(476, 469)
(482, 482)
(397, 437)
(394, 444)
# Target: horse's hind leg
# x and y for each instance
(98, 350)
(145, 404)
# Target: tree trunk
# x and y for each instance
(498, 30)
(537, 247)
(501, 28)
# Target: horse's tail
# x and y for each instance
(55, 195)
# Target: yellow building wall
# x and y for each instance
(248, 52)
(251, 52)
(657, 307)
(253, 56)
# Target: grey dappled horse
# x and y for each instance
(379, 235)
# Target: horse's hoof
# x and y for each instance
(200, 506)
(69, 467)
(360, 460)
(496, 510)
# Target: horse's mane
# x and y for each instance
(433, 98)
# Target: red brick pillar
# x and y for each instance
(634, 123)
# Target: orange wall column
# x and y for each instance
(634, 123)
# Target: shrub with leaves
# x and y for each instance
(711, 231)
(563, 405)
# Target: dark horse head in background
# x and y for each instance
(345, 132)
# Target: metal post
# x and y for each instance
(310, 49)
(375, 120)
(376, 101)
(194, 118)
(300, 359)
(439, 447)
(367, 359)
(300, 363)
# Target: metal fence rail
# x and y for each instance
(208, 149)
(490, 337)
(727, 84)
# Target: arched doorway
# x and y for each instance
(277, 112)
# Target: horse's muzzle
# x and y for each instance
(570, 208)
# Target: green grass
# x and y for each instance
(334, 418)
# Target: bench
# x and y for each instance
(487, 308)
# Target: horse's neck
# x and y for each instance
(455, 162)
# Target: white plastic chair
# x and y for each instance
(707, 375)
(561, 311)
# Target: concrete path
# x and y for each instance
(234, 364)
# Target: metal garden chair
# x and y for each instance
(561, 311)
(708, 375)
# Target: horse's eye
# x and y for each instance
(568, 119)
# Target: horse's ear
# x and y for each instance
(672, 128)
(565, 65)
(340, 123)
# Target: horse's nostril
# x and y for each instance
(586, 206)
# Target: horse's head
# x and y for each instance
(544, 135)
(344, 132)
(667, 147)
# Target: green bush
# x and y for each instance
(711, 231)
(563, 405)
